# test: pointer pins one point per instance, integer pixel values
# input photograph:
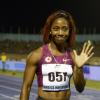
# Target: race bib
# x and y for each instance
(56, 76)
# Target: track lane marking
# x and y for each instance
(5, 96)
(13, 89)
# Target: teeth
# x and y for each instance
(60, 37)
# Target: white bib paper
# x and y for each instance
(56, 76)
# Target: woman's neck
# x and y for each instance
(61, 48)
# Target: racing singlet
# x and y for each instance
(54, 76)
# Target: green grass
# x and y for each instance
(90, 84)
(93, 84)
(12, 73)
(16, 56)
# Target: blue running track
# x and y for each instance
(10, 89)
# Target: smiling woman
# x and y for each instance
(55, 62)
(59, 30)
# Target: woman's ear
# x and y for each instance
(50, 35)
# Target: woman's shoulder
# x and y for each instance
(37, 53)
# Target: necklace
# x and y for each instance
(55, 59)
(64, 58)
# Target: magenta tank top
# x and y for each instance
(47, 58)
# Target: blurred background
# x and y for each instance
(20, 33)
(21, 22)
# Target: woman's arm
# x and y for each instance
(29, 74)
(79, 61)
(78, 78)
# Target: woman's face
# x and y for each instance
(60, 30)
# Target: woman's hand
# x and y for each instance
(85, 54)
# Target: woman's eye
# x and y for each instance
(65, 28)
(55, 28)
(58, 28)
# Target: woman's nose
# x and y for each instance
(60, 32)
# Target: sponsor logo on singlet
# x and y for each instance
(48, 59)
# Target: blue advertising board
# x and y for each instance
(90, 72)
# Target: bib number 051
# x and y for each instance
(57, 76)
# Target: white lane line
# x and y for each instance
(11, 78)
(5, 96)
(10, 82)
(6, 87)
(16, 96)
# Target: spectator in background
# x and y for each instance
(3, 59)
(55, 62)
